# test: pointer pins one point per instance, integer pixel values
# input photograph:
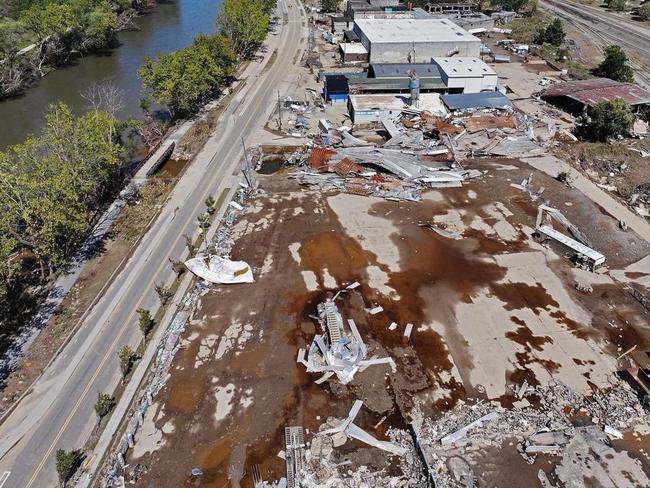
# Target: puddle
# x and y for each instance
(172, 168)
(270, 166)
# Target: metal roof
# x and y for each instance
(632, 94)
(458, 66)
(352, 48)
(476, 101)
(401, 70)
(566, 88)
(395, 31)
(591, 92)
(336, 84)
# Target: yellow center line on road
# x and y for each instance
(109, 353)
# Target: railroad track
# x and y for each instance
(606, 28)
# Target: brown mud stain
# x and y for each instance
(517, 296)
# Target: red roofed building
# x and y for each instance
(576, 96)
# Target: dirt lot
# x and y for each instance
(490, 310)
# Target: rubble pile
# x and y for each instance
(325, 468)
(543, 421)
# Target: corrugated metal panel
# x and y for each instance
(476, 101)
(401, 70)
(632, 94)
(570, 87)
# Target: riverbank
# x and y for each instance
(170, 26)
(41, 37)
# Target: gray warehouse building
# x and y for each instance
(414, 40)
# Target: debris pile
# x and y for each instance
(545, 428)
(389, 173)
(338, 350)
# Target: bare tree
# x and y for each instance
(104, 96)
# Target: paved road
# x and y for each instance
(59, 412)
(606, 28)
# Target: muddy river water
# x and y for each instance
(171, 26)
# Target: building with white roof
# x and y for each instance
(414, 40)
(466, 74)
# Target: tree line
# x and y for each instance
(184, 80)
(38, 35)
(52, 188)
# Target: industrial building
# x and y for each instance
(473, 23)
(355, 7)
(414, 40)
(336, 88)
(466, 75)
(353, 52)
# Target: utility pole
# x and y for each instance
(247, 166)
(279, 112)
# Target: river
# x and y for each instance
(171, 26)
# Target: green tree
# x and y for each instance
(9, 264)
(553, 34)
(614, 67)
(511, 5)
(127, 357)
(245, 23)
(269, 5)
(184, 80)
(67, 463)
(605, 120)
(52, 19)
(617, 5)
(329, 5)
(99, 27)
(210, 204)
(145, 321)
(103, 405)
(644, 11)
(52, 187)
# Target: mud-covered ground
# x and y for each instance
(490, 309)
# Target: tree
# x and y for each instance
(614, 67)
(67, 463)
(606, 120)
(269, 5)
(189, 243)
(511, 5)
(52, 187)
(127, 357)
(329, 5)
(644, 11)
(210, 204)
(9, 265)
(245, 23)
(553, 34)
(617, 5)
(186, 79)
(104, 96)
(145, 321)
(177, 266)
(103, 405)
(164, 294)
